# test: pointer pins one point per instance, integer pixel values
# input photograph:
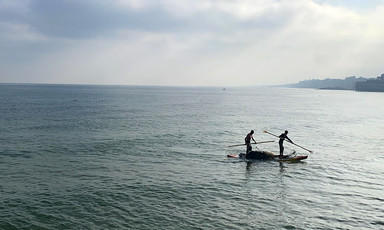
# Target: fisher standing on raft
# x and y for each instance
(248, 142)
(282, 137)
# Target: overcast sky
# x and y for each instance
(189, 42)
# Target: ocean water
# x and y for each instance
(128, 157)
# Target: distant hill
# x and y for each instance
(349, 83)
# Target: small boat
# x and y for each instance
(291, 158)
(266, 155)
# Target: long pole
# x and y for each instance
(261, 142)
(265, 131)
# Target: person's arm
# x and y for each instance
(254, 140)
(289, 140)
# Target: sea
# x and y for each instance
(147, 157)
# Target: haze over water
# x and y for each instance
(124, 157)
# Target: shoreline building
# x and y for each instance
(371, 85)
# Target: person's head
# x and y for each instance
(286, 131)
(252, 132)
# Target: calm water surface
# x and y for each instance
(120, 157)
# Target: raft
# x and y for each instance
(266, 155)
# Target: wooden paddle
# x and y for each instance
(265, 131)
(261, 142)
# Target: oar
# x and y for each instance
(265, 131)
(261, 142)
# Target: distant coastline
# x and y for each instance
(348, 83)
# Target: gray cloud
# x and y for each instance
(87, 19)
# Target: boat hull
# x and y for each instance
(266, 155)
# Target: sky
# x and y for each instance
(189, 42)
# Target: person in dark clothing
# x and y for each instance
(282, 137)
(248, 141)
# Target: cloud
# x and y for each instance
(249, 42)
(89, 19)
